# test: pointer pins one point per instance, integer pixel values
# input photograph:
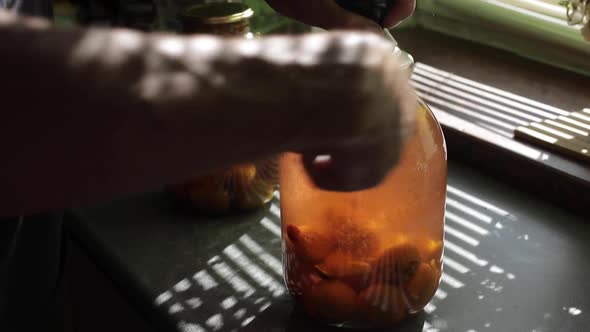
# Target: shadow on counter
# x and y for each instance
(285, 317)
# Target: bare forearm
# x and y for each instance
(89, 114)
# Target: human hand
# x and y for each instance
(355, 106)
(337, 94)
(329, 15)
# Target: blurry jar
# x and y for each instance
(369, 258)
(245, 186)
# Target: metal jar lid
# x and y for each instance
(578, 12)
(217, 13)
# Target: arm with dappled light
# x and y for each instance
(88, 114)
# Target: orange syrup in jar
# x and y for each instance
(370, 258)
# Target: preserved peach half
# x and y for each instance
(338, 264)
(398, 264)
(422, 287)
(383, 304)
(436, 265)
(330, 300)
(352, 238)
(343, 266)
(309, 245)
(300, 275)
(207, 193)
(243, 187)
(241, 181)
(254, 183)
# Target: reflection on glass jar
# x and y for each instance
(374, 257)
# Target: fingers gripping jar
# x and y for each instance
(369, 258)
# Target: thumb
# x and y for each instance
(354, 168)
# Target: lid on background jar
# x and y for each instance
(217, 13)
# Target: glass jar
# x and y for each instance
(241, 187)
(246, 186)
(370, 258)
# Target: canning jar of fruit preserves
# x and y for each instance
(369, 258)
(245, 186)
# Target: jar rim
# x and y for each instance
(217, 12)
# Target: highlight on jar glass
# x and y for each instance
(369, 258)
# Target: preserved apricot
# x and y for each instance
(207, 193)
(300, 275)
(422, 287)
(352, 238)
(342, 266)
(310, 245)
(383, 304)
(330, 300)
(432, 249)
(339, 264)
(397, 265)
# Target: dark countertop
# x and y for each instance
(512, 263)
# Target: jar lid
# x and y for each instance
(217, 12)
